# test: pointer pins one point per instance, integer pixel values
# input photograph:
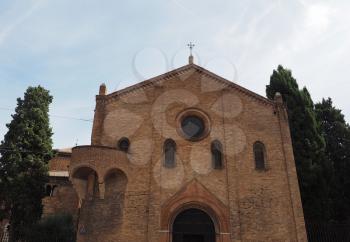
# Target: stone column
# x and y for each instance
(90, 185)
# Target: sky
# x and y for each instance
(71, 47)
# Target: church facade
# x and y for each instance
(186, 156)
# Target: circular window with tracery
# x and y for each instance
(193, 124)
(192, 127)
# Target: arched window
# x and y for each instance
(123, 144)
(259, 155)
(53, 192)
(216, 154)
(48, 190)
(169, 153)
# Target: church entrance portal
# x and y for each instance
(193, 225)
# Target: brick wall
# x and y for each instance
(64, 198)
(262, 205)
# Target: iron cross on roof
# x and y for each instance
(190, 45)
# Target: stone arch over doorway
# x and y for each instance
(195, 196)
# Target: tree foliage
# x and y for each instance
(308, 143)
(54, 228)
(25, 152)
(336, 132)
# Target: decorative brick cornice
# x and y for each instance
(156, 80)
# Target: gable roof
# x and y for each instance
(189, 67)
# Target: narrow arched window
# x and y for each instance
(53, 192)
(259, 155)
(48, 190)
(216, 154)
(169, 153)
(123, 144)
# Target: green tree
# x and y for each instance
(308, 143)
(25, 152)
(336, 132)
(54, 228)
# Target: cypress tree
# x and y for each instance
(25, 152)
(308, 143)
(336, 132)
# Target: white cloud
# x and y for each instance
(318, 17)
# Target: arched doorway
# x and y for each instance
(193, 225)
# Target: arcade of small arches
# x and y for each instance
(50, 190)
(88, 185)
(190, 218)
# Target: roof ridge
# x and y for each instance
(153, 80)
(149, 81)
(234, 85)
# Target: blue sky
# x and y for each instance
(71, 47)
